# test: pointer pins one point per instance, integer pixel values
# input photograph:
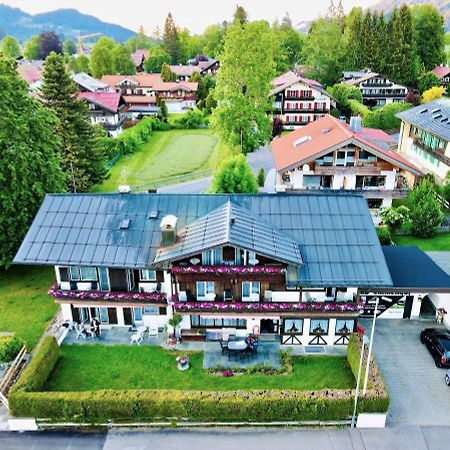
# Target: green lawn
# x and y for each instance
(94, 367)
(440, 242)
(25, 306)
(167, 154)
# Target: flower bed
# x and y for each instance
(151, 297)
(264, 307)
(232, 270)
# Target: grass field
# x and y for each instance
(440, 242)
(167, 154)
(25, 306)
(93, 367)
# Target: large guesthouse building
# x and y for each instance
(285, 266)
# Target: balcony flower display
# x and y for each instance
(225, 270)
(151, 297)
(264, 307)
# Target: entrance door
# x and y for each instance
(408, 307)
(269, 326)
(127, 316)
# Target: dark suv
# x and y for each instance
(437, 341)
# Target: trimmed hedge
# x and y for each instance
(9, 348)
(97, 406)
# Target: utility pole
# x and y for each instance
(366, 378)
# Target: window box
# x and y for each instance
(225, 270)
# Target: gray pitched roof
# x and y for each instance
(89, 83)
(337, 238)
(236, 226)
(433, 117)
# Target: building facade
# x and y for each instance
(376, 89)
(262, 264)
(443, 73)
(298, 101)
(329, 154)
(425, 137)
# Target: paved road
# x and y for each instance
(410, 438)
(259, 158)
(442, 259)
(419, 395)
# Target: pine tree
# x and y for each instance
(29, 158)
(340, 15)
(166, 74)
(240, 15)
(171, 39)
(354, 53)
(201, 90)
(81, 154)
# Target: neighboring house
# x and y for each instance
(139, 57)
(298, 101)
(86, 83)
(376, 89)
(207, 65)
(329, 154)
(183, 73)
(178, 96)
(106, 109)
(266, 264)
(141, 105)
(31, 72)
(425, 136)
(443, 73)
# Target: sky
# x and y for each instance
(193, 14)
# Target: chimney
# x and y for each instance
(355, 124)
(168, 228)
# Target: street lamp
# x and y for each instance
(365, 341)
(366, 377)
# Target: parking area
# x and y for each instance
(418, 393)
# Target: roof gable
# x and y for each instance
(232, 225)
(106, 100)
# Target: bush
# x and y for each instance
(261, 179)
(384, 235)
(193, 119)
(343, 93)
(395, 217)
(9, 348)
(357, 108)
(385, 118)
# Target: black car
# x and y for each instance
(437, 341)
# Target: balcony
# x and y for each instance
(159, 298)
(297, 308)
(439, 155)
(306, 110)
(299, 97)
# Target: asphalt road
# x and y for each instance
(410, 438)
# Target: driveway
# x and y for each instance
(418, 393)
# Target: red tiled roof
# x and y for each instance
(441, 71)
(107, 100)
(174, 86)
(29, 72)
(319, 136)
(139, 55)
(374, 134)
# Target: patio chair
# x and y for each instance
(137, 338)
(224, 347)
(81, 332)
(153, 331)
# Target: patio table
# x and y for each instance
(237, 345)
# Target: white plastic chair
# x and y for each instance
(137, 338)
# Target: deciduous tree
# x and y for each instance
(32, 48)
(29, 158)
(79, 63)
(69, 47)
(243, 84)
(234, 176)
(10, 47)
(156, 59)
(240, 15)
(101, 61)
(82, 157)
(123, 64)
(427, 81)
(49, 42)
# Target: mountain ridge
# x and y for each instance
(66, 22)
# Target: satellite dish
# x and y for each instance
(305, 168)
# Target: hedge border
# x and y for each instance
(232, 406)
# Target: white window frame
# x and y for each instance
(147, 275)
(89, 278)
(254, 291)
(76, 270)
(208, 288)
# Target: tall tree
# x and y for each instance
(201, 91)
(286, 22)
(123, 64)
(156, 58)
(331, 11)
(32, 48)
(429, 35)
(402, 65)
(29, 158)
(171, 39)
(240, 15)
(79, 63)
(234, 176)
(353, 42)
(69, 47)
(243, 86)
(101, 61)
(167, 74)
(288, 46)
(10, 47)
(324, 51)
(81, 154)
(213, 40)
(49, 42)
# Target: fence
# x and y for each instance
(11, 375)
(172, 180)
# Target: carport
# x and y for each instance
(420, 287)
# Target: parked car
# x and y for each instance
(447, 378)
(437, 341)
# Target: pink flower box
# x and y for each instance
(225, 270)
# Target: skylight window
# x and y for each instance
(124, 224)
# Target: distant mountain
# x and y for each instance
(443, 6)
(67, 23)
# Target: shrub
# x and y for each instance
(385, 118)
(395, 217)
(384, 235)
(277, 127)
(357, 108)
(193, 119)
(9, 348)
(428, 80)
(343, 93)
(433, 94)
(261, 177)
